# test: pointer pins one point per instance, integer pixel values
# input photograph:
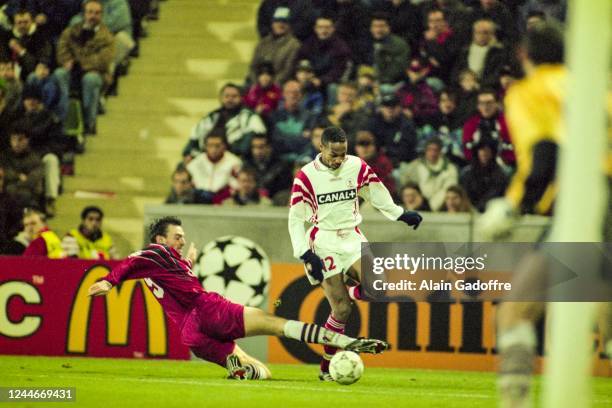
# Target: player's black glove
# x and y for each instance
(314, 265)
(411, 218)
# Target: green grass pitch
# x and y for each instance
(161, 383)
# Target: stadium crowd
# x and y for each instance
(418, 87)
(59, 60)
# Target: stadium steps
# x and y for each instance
(191, 51)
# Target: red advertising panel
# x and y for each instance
(45, 310)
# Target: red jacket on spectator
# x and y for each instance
(267, 97)
(476, 128)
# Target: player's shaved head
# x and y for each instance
(159, 227)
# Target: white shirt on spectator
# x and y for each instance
(213, 177)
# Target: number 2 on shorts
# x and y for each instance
(331, 266)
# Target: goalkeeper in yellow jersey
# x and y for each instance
(534, 109)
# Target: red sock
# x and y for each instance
(338, 327)
(355, 292)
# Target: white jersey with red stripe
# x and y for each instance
(329, 198)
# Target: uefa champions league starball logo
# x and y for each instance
(234, 267)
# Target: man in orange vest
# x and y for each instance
(44, 241)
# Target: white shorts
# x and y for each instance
(338, 249)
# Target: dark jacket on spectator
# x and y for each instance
(280, 51)
(273, 175)
(390, 58)
(25, 193)
(352, 23)
(329, 58)
(405, 19)
(38, 49)
(301, 17)
(483, 183)
(397, 139)
(444, 50)
(495, 60)
(419, 97)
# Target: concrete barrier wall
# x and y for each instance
(268, 227)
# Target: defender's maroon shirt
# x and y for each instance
(166, 274)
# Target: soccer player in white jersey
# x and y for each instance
(326, 194)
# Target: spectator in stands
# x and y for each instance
(24, 172)
(10, 217)
(263, 96)
(328, 53)
(215, 169)
(499, 13)
(417, 97)
(434, 173)
(25, 44)
(412, 198)
(117, 18)
(312, 98)
(352, 22)
(290, 122)
(483, 179)
(301, 16)
(85, 55)
(404, 18)
(367, 89)
(488, 124)
(439, 45)
(388, 53)
(507, 76)
(315, 133)
(535, 10)
(49, 88)
(279, 48)
(281, 199)
(248, 191)
(88, 241)
(457, 14)
(534, 19)
(46, 140)
(12, 87)
(51, 17)
(6, 118)
(456, 201)
(43, 241)
(184, 192)
(467, 95)
(446, 125)
(346, 114)
(233, 120)
(367, 150)
(271, 171)
(395, 133)
(484, 55)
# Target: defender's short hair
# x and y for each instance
(160, 227)
(333, 134)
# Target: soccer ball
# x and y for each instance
(236, 268)
(346, 367)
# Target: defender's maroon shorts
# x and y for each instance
(211, 328)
